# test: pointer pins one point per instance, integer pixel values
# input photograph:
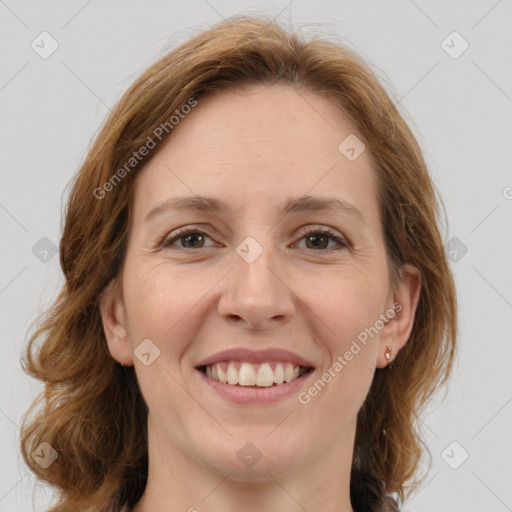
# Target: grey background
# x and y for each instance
(459, 108)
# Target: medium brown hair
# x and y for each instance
(91, 410)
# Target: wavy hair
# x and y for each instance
(91, 410)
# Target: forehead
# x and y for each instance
(258, 144)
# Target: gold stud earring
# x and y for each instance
(388, 352)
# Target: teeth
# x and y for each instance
(232, 374)
(265, 376)
(288, 373)
(247, 374)
(279, 374)
(222, 376)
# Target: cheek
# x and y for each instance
(351, 348)
(347, 302)
(157, 302)
(162, 307)
(350, 308)
(170, 306)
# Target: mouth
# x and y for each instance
(248, 377)
(254, 375)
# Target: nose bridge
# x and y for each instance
(254, 292)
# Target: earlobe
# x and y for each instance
(397, 331)
(113, 316)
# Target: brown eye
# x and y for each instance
(189, 238)
(318, 240)
(192, 240)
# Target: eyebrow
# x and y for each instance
(292, 205)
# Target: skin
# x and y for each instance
(254, 148)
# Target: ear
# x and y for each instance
(113, 316)
(398, 328)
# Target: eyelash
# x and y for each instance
(319, 231)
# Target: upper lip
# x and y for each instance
(256, 356)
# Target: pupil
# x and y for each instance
(187, 237)
(311, 237)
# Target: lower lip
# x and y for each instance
(249, 396)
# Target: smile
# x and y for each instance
(250, 377)
(247, 374)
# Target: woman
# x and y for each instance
(257, 302)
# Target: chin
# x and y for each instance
(252, 458)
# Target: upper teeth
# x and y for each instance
(247, 374)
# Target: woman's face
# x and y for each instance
(253, 276)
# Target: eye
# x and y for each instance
(192, 238)
(317, 239)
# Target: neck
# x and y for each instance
(178, 481)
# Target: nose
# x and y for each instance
(257, 295)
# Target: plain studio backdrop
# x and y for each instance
(64, 64)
